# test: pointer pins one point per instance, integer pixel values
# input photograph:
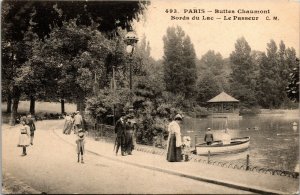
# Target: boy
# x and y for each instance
(80, 144)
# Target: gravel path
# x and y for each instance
(51, 166)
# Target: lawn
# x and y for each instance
(40, 108)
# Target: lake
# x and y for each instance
(274, 140)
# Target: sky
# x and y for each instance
(220, 35)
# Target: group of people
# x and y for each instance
(73, 122)
(175, 146)
(125, 129)
(26, 132)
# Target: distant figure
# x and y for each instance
(120, 131)
(226, 138)
(24, 136)
(174, 140)
(209, 138)
(80, 144)
(30, 123)
(78, 122)
(68, 124)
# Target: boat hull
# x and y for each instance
(236, 145)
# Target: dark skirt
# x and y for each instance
(174, 153)
(129, 141)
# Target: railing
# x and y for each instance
(245, 166)
(106, 132)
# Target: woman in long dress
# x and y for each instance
(68, 124)
(174, 140)
(24, 138)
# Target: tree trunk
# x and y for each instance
(14, 112)
(9, 103)
(62, 104)
(80, 106)
(32, 105)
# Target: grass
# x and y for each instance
(40, 108)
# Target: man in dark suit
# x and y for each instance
(30, 123)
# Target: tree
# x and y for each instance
(293, 83)
(270, 78)
(179, 63)
(212, 62)
(212, 77)
(43, 17)
(243, 78)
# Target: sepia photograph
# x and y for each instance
(150, 96)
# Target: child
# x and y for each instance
(186, 147)
(80, 144)
(24, 139)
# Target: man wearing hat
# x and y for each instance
(174, 152)
(209, 138)
(120, 131)
(78, 122)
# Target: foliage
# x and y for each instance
(179, 63)
(273, 78)
(243, 78)
(249, 111)
(293, 86)
(212, 77)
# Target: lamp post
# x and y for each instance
(130, 39)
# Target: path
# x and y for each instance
(51, 167)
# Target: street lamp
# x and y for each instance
(130, 39)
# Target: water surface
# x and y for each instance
(274, 140)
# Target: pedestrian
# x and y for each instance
(68, 124)
(24, 137)
(129, 132)
(209, 138)
(174, 153)
(120, 132)
(30, 123)
(80, 144)
(78, 121)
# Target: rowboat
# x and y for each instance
(217, 147)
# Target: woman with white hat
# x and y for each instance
(174, 140)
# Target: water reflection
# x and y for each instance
(274, 138)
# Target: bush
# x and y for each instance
(249, 111)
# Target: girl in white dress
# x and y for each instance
(24, 138)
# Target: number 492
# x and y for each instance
(171, 11)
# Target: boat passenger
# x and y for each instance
(209, 138)
(226, 139)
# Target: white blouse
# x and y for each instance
(175, 128)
